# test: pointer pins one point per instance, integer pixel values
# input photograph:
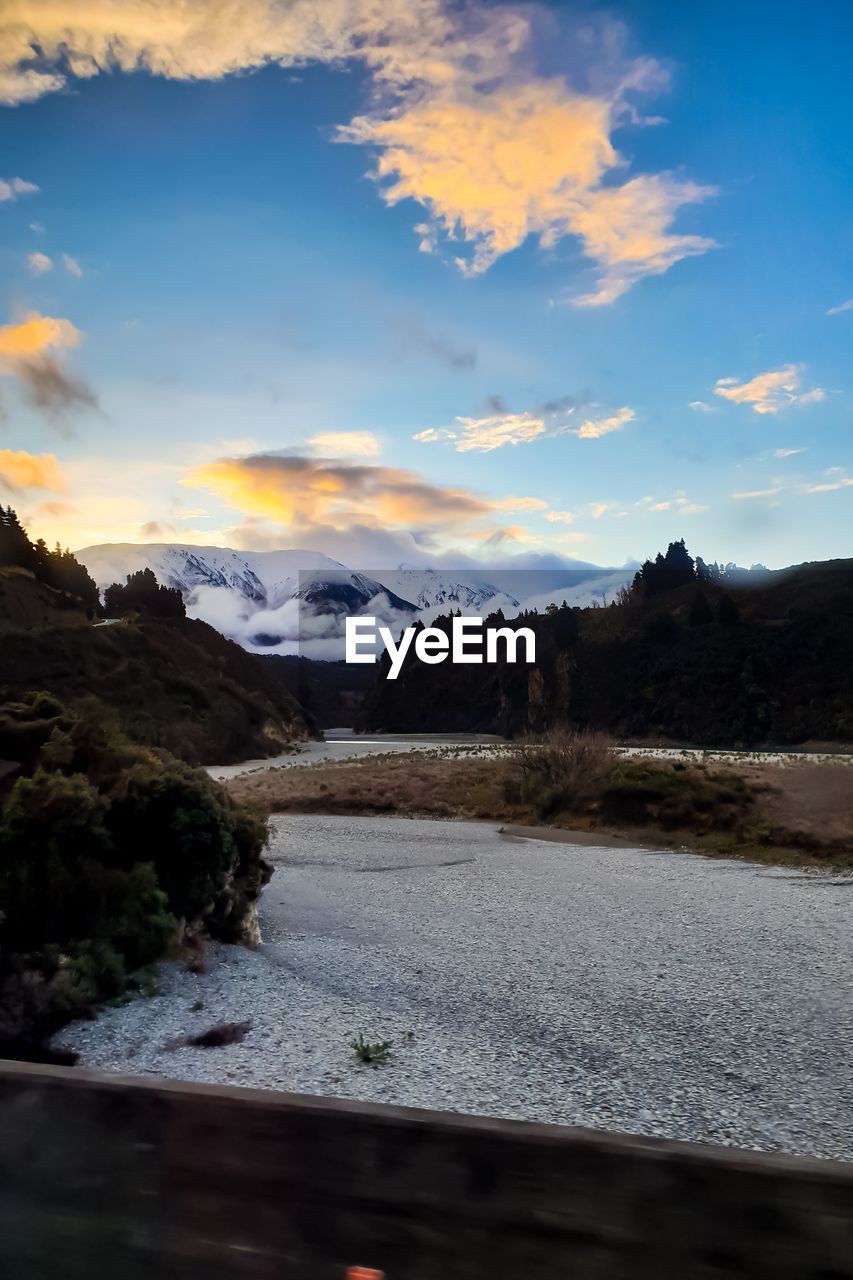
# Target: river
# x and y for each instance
(615, 988)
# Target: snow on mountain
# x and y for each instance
(268, 601)
(295, 601)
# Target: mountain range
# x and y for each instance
(294, 601)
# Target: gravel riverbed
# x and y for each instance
(615, 988)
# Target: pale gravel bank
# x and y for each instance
(610, 987)
(343, 744)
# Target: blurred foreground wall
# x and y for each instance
(104, 1177)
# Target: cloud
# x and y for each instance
(157, 530)
(830, 486)
(680, 504)
(39, 263)
(594, 428)
(461, 121)
(33, 336)
(699, 406)
(21, 470)
(504, 428)
(11, 188)
(441, 346)
(48, 386)
(486, 434)
(786, 453)
(346, 444)
(291, 490)
(843, 306)
(769, 392)
(520, 504)
(755, 493)
(25, 353)
(72, 266)
(495, 166)
(561, 517)
(497, 430)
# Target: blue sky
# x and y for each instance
(246, 341)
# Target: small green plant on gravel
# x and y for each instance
(196, 1006)
(372, 1054)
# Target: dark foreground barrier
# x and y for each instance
(105, 1178)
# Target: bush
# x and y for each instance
(563, 769)
(105, 848)
(696, 799)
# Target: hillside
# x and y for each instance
(176, 684)
(25, 602)
(767, 663)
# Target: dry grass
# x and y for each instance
(564, 769)
(416, 784)
(797, 814)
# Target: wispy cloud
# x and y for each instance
(561, 517)
(680, 504)
(346, 444)
(749, 494)
(838, 479)
(461, 120)
(39, 263)
(454, 354)
(842, 306)
(12, 188)
(504, 428)
(595, 428)
(786, 453)
(72, 266)
(701, 406)
(486, 434)
(769, 392)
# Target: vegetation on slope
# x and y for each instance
(176, 684)
(172, 682)
(690, 654)
(109, 854)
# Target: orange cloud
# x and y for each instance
(20, 470)
(297, 491)
(769, 392)
(495, 167)
(35, 335)
(25, 353)
(462, 123)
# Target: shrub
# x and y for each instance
(563, 769)
(104, 848)
(696, 799)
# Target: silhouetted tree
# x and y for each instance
(143, 594)
(57, 568)
(665, 573)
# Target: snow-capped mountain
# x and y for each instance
(295, 601)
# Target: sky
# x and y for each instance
(429, 283)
